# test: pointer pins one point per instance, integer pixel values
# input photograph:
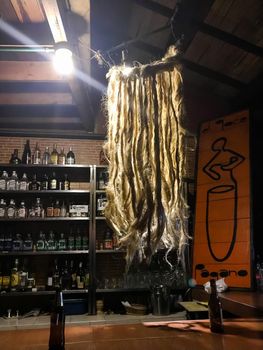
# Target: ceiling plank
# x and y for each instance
(28, 10)
(155, 7)
(34, 87)
(229, 38)
(54, 20)
(28, 71)
(35, 98)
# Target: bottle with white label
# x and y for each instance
(3, 181)
(12, 182)
(23, 183)
(11, 209)
(38, 208)
(22, 212)
(2, 208)
(70, 159)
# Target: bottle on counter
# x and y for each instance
(54, 155)
(46, 156)
(57, 324)
(26, 156)
(62, 157)
(36, 155)
(215, 310)
(70, 158)
(14, 157)
(3, 181)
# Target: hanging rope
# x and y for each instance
(146, 206)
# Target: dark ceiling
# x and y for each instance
(220, 44)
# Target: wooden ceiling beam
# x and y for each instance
(229, 38)
(155, 7)
(50, 87)
(35, 98)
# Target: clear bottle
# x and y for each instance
(24, 183)
(3, 181)
(53, 182)
(28, 242)
(26, 156)
(11, 209)
(46, 156)
(17, 242)
(37, 155)
(2, 208)
(22, 211)
(215, 310)
(12, 182)
(54, 155)
(62, 244)
(62, 157)
(14, 282)
(63, 210)
(34, 185)
(14, 157)
(51, 242)
(70, 159)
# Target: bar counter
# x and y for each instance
(240, 334)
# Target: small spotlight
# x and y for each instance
(127, 71)
(62, 60)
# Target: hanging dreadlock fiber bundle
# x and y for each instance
(146, 205)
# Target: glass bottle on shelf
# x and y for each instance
(85, 242)
(22, 211)
(78, 240)
(53, 182)
(37, 155)
(38, 208)
(46, 156)
(6, 277)
(34, 185)
(62, 244)
(49, 285)
(23, 276)
(65, 277)
(2, 208)
(102, 180)
(86, 281)
(14, 280)
(26, 157)
(63, 210)
(44, 183)
(11, 209)
(62, 157)
(80, 277)
(70, 159)
(2, 242)
(108, 241)
(14, 157)
(56, 275)
(54, 155)
(50, 210)
(51, 242)
(23, 183)
(17, 242)
(28, 242)
(71, 240)
(12, 182)
(8, 242)
(64, 184)
(3, 181)
(41, 241)
(73, 275)
(57, 209)
(101, 204)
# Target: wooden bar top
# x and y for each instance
(240, 334)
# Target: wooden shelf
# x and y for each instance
(43, 292)
(44, 252)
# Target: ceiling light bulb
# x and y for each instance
(127, 71)
(62, 61)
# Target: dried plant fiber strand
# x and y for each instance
(146, 205)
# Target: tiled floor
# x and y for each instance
(103, 319)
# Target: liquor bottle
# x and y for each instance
(23, 183)
(85, 242)
(54, 155)
(78, 240)
(22, 211)
(14, 283)
(51, 242)
(37, 155)
(1, 277)
(80, 277)
(57, 324)
(17, 242)
(6, 277)
(41, 241)
(62, 245)
(26, 157)
(215, 310)
(12, 182)
(2, 242)
(63, 210)
(38, 208)
(57, 209)
(70, 159)
(73, 275)
(53, 182)
(34, 185)
(71, 240)
(11, 209)
(2, 208)
(101, 204)
(23, 276)
(50, 210)
(3, 181)
(8, 243)
(49, 285)
(14, 157)
(103, 179)
(56, 275)
(62, 157)
(46, 156)
(28, 242)
(108, 241)
(44, 183)
(65, 277)
(64, 184)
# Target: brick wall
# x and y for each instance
(86, 151)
